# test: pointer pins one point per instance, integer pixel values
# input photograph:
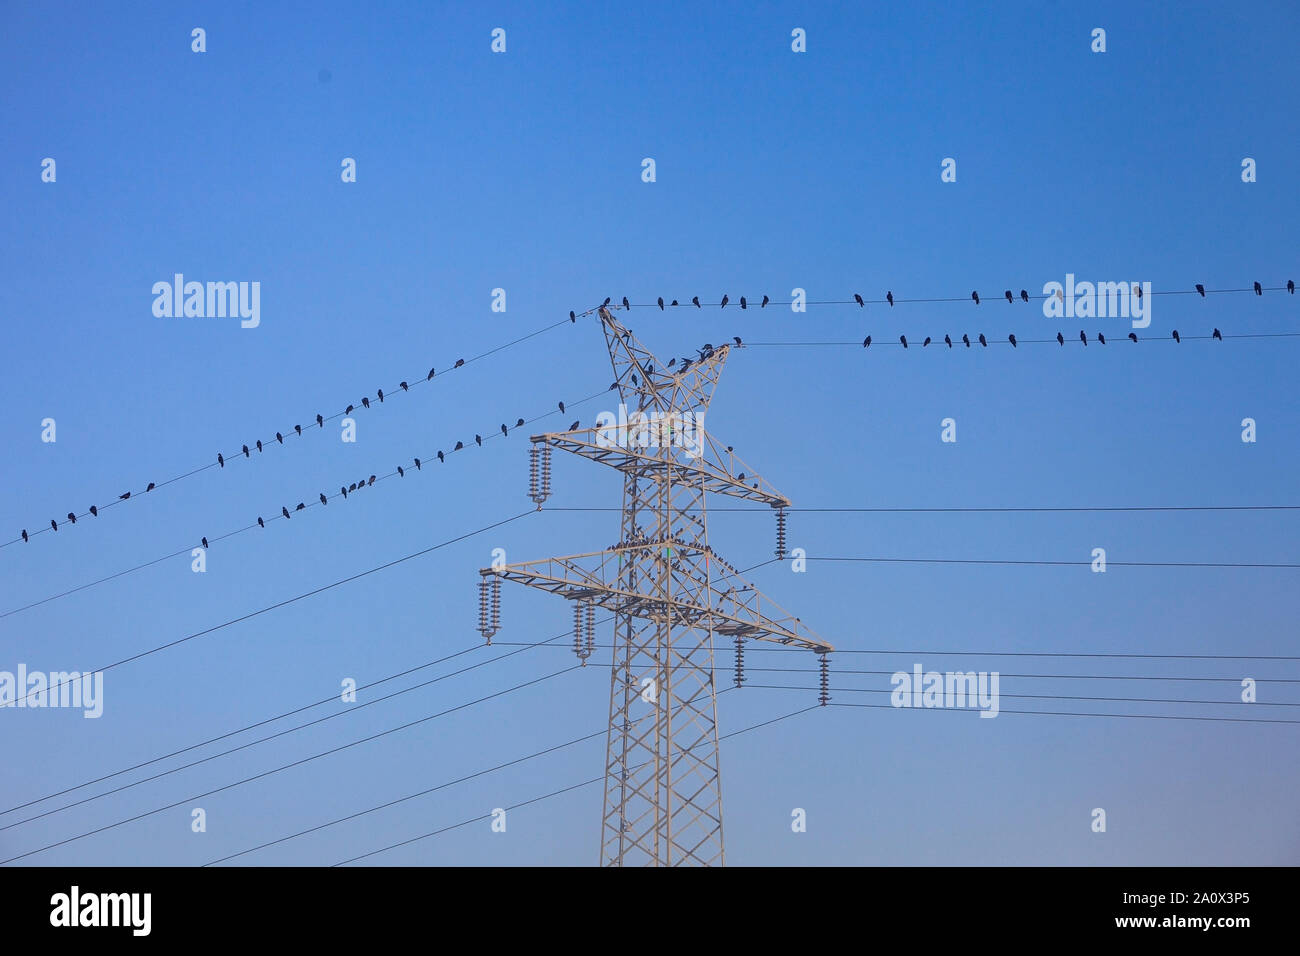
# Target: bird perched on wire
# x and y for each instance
(260, 522)
(966, 339)
(298, 429)
(459, 363)
(24, 534)
(72, 517)
(976, 297)
(300, 506)
(1082, 337)
(661, 303)
(1012, 339)
(365, 402)
(259, 444)
(926, 342)
(344, 491)
(983, 341)
(561, 408)
(1010, 297)
(150, 487)
(459, 446)
(278, 437)
(245, 451)
(626, 304)
(417, 464)
(1101, 338)
(889, 297)
(1258, 289)
(94, 511)
(1024, 295)
(478, 439)
(695, 300)
(1290, 286)
(503, 429)
(205, 543)
(348, 410)
(320, 421)
(573, 427)
(1201, 289)
(725, 300)
(764, 303)
(441, 456)
(857, 298)
(124, 496)
(903, 339)
(430, 375)
(381, 394)
(221, 460)
(736, 338)
(866, 343)
(323, 499)
(54, 524)
(947, 340)
(743, 303)
(1217, 335)
(1060, 339)
(1132, 337)
(284, 511)
(1177, 338)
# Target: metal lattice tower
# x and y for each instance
(669, 592)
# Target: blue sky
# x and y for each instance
(775, 170)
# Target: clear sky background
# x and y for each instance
(775, 170)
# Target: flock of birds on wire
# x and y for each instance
(702, 354)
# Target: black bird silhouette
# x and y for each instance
(320, 421)
(1217, 335)
(352, 487)
(24, 534)
(300, 506)
(1201, 289)
(672, 362)
(401, 472)
(430, 375)
(1132, 337)
(344, 491)
(519, 423)
(866, 343)
(966, 338)
(503, 429)
(479, 440)
(626, 304)
(926, 342)
(983, 341)
(221, 460)
(903, 339)
(661, 303)
(259, 444)
(1024, 296)
(764, 303)
(695, 299)
(737, 339)
(348, 410)
(365, 402)
(1010, 297)
(561, 408)
(1060, 339)
(1012, 339)
(976, 297)
(1258, 289)
(947, 341)
(634, 381)
(279, 438)
(858, 299)
(743, 303)
(459, 363)
(151, 486)
(1176, 336)
(371, 481)
(1083, 338)
(1101, 338)
(124, 496)
(381, 394)
(1138, 289)
(72, 517)
(606, 303)
(298, 429)
(94, 511)
(441, 457)
(459, 446)
(573, 427)
(54, 524)
(418, 467)
(741, 476)
(1290, 286)
(260, 522)
(889, 297)
(323, 499)
(284, 511)
(245, 451)
(205, 542)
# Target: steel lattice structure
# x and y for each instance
(669, 593)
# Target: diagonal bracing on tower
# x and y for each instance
(669, 593)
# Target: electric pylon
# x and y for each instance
(669, 593)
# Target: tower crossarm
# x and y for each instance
(719, 600)
(698, 458)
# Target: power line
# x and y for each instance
(1009, 510)
(308, 503)
(555, 793)
(1044, 563)
(274, 736)
(1113, 700)
(292, 600)
(892, 300)
(288, 766)
(919, 343)
(292, 431)
(1059, 713)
